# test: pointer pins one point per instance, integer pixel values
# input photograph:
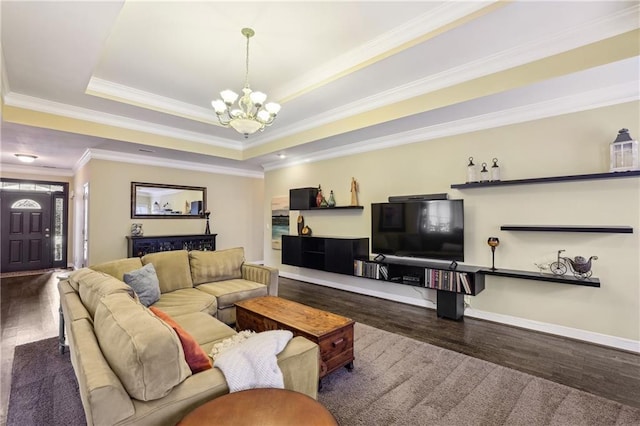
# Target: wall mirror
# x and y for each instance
(160, 201)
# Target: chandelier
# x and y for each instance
(251, 114)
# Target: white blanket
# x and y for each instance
(253, 363)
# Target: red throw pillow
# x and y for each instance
(193, 353)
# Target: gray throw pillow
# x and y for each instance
(144, 282)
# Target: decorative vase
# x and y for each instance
(472, 171)
(306, 231)
(319, 197)
(300, 224)
(495, 171)
(332, 200)
(484, 173)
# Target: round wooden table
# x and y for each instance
(261, 407)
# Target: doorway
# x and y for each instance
(33, 234)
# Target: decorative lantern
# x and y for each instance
(623, 153)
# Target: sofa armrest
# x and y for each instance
(263, 275)
(104, 399)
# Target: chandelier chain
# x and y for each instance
(246, 71)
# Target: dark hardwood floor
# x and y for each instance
(30, 304)
(600, 370)
(29, 312)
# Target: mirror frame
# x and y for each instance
(136, 185)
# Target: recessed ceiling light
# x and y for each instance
(282, 156)
(26, 158)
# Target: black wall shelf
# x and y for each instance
(569, 178)
(335, 208)
(569, 228)
(537, 276)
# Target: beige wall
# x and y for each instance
(564, 145)
(235, 202)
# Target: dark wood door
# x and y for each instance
(26, 231)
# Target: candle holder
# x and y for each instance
(493, 243)
(207, 230)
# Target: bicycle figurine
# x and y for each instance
(579, 266)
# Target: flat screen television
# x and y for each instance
(431, 229)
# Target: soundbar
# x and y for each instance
(423, 197)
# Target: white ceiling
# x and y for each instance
(137, 77)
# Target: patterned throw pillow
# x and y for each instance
(144, 282)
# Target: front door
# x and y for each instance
(26, 231)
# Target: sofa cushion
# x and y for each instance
(144, 282)
(204, 328)
(172, 268)
(143, 351)
(231, 291)
(211, 266)
(197, 359)
(117, 268)
(187, 300)
(93, 286)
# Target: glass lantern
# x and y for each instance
(623, 153)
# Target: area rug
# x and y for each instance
(44, 390)
(396, 381)
(401, 381)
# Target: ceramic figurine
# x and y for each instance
(136, 230)
(354, 192)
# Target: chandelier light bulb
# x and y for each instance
(250, 114)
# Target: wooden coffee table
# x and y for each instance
(333, 333)
(266, 407)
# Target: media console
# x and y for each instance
(350, 256)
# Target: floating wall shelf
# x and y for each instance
(595, 176)
(537, 276)
(569, 228)
(336, 208)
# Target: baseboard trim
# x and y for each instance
(558, 330)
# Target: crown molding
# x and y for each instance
(437, 18)
(51, 107)
(100, 154)
(35, 170)
(130, 95)
(5, 79)
(606, 96)
(568, 39)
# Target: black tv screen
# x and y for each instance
(431, 229)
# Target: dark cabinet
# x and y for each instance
(302, 198)
(329, 254)
(139, 246)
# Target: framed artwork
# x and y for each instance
(279, 220)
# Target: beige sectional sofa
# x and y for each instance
(131, 366)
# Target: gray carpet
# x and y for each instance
(396, 381)
(400, 381)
